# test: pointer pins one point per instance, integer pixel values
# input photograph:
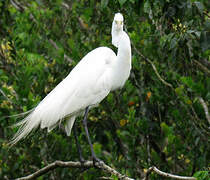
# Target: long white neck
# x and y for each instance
(123, 61)
(124, 48)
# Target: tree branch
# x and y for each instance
(56, 47)
(70, 164)
(100, 165)
(156, 170)
(202, 67)
(205, 62)
(15, 5)
(205, 108)
(2, 92)
(154, 68)
(206, 13)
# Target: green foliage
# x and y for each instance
(202, 175)
(146, 123)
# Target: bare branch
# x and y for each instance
(202, 67)
(56, 47)
(156, 170)
(106, 178)
(205, 108)
(66, 5)
(158, 75)
(2, 92)
(205, 62)
(70, 164)
(154, 68)
(15, 5)
(206, 13)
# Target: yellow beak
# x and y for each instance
(118, 23)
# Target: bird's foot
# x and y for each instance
(98, 161)
(82, 161)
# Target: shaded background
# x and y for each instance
(158, 118)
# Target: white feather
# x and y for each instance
(99, 72)
(69, 125)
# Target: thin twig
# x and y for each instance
(202, 67)
(106, 178)
(206, 13)
(154, 68)
(205, 62)
(205, 108)
(70, 164)
(15, 5)
(156, 170)
(2, 92)
(56, 47)
(66, 5)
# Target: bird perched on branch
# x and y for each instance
(90, 81)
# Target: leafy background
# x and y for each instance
(156, 119)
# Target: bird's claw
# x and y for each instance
(97, 160)
(82, 161)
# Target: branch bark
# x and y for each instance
(2, 92)
(70, 164)
(56, 47)
(205, 108)
(205, 62)
(100, 165)
(154, 68)
(202, 67)
(156, 170)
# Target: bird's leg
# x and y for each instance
(95, 159)
(78, 145)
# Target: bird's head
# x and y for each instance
(118, 22)
(117, 28)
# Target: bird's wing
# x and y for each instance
(87, 84)
(84, 86)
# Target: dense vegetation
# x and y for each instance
(159, 118)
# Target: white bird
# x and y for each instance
(91, 80)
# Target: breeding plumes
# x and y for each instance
(91, 80)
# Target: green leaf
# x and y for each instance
(200, 7)
(198, 34)
(97, 148)
(202, 175)
(163, 40)
(167, 130)
(122, 2)
(104, 3)
(205, 40)
(147, 7)
(173, 43)
(187, 80)
(22, 36)
(132, 1)
(32, 57)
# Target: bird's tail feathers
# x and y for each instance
(69, 124)
(21, 114)
(25, 127)
(20, 123)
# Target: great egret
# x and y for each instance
(91, 80)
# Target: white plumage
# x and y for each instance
(98, 73)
